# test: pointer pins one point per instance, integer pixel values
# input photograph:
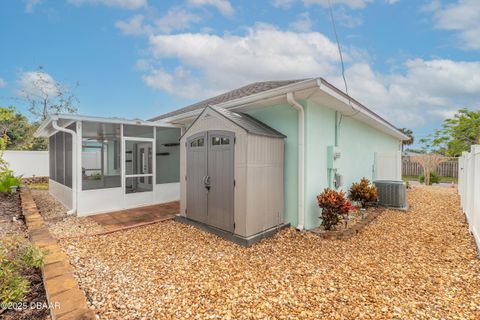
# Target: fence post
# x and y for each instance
(475, 209)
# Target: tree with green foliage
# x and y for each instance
(408, 133)
(18, 132)
(458, 134)
(6, 116)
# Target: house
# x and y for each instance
(329, 140)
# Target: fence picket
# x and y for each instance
(469, 189)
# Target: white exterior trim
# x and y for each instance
(315, 83)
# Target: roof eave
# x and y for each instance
(320, 83)
(277, 92)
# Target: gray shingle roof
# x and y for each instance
(231, 95)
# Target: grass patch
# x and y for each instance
(38, 186)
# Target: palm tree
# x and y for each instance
(408, 133)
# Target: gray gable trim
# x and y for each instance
(244, 121)
(244, 91)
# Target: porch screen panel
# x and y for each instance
(51, 160)
(60, 158)
(167, 155)
(69, 155)
(137, 131)
(100, 155)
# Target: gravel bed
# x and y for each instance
(416, 265)
(48, 206)
(74, 227)
(59, 224)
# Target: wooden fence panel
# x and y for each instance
(448, 168)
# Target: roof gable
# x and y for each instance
(242, 120)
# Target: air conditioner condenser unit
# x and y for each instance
(392, 194)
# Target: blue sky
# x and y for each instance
(414, 62)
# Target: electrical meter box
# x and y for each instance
(333, 154)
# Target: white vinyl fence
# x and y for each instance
(469, 189)
(28, 163)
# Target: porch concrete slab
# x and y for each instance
(118, 220)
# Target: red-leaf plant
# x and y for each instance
(334, 204)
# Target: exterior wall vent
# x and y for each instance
(392, 194)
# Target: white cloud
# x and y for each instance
(354, 4)
(427, 88)
(37, 83)
(303, 23)
(175, 19)
(223, 6)
(127, 4)
(220, 63)
(462, 17)
(3, 83)
(283, 3)
(418, 91)
(30, 5)
(134, 26)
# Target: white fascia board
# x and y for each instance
(41, 131)
(389, 129)
(281, 91)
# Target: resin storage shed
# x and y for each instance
(231, 169)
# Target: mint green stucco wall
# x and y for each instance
(284, 119)
(319, 134)
(357, 142)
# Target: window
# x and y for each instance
(217, 141)
(197, 142)
(100, 155)
(168, 155)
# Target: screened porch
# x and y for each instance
(106, 164)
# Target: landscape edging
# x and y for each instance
(64, 296)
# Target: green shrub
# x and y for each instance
(17, 256)
(8, 180)
(334, 204)
(433, 178)
(363, 192)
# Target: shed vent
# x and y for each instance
(392, 193)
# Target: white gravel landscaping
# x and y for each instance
(417, 265)
(59, 224)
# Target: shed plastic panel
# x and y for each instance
(265, 205)
(213, 121)
(258, 172)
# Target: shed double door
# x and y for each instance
(210, 178)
